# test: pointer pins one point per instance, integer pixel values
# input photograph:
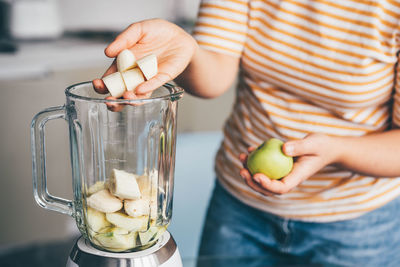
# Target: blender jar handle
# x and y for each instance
(42, 196)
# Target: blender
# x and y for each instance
(122, 163)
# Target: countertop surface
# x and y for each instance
(55, 254)
(35, 59)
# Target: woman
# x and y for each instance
(320, 75)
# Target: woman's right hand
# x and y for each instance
(173, 47)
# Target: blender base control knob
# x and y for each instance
(164, 253)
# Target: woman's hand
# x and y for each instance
(313, 153)
(173, 47)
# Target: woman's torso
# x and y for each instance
(306, 67)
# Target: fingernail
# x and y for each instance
(289, 149)
(257, 179)
(243, 177)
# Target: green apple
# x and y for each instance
(269, 159)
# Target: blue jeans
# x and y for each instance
(232, 229)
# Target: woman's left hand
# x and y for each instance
(313, 153)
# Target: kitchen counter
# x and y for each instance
(55, 254)
(49, 254)
(36, 59)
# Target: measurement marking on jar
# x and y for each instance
(115, 160)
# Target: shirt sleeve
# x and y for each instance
(221, 26)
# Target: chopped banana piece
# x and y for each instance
(124, 221)
(145, 237)
(148, 183)
(115, 84)
(148, 66)
(152, 234)
(103, 201)
(96, 220)
(153, 209)
(126, 60)
(116, 239)
(132, 78)
(144, 184)
(136, 208)
(123, 185)
(99, 185)
(149, 189)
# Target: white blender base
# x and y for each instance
(164, 253)
(174, 261)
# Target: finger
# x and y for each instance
(245, 174)
(99, 85)
(157, 81)
(128, 38)
(133, 95)
(243, 157)
(144, 96)
(111, 69)
(130, 95)
(113, 106)
(251, 149)
(274, 186)
(306, 146)
(256, 187)
(302, 169)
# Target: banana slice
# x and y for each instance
(148, 188)
(136, 208)
(153, 209)
(116, 239)
(122, 220)
(144, 184)
(115, 84)
(123, 185)
(126, 60)
(96, 187)
(96, 220)
(152, 200)
(103, 201)
(152, 234)
(148, 183)
(132, 78)
(148, 66)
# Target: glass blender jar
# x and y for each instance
(122, 165)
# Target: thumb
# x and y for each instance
(300, 147)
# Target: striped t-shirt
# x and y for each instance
(307, 66)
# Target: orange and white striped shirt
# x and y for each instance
(308, 66)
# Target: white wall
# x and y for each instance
(117, 14)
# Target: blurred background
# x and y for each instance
(47, 45)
